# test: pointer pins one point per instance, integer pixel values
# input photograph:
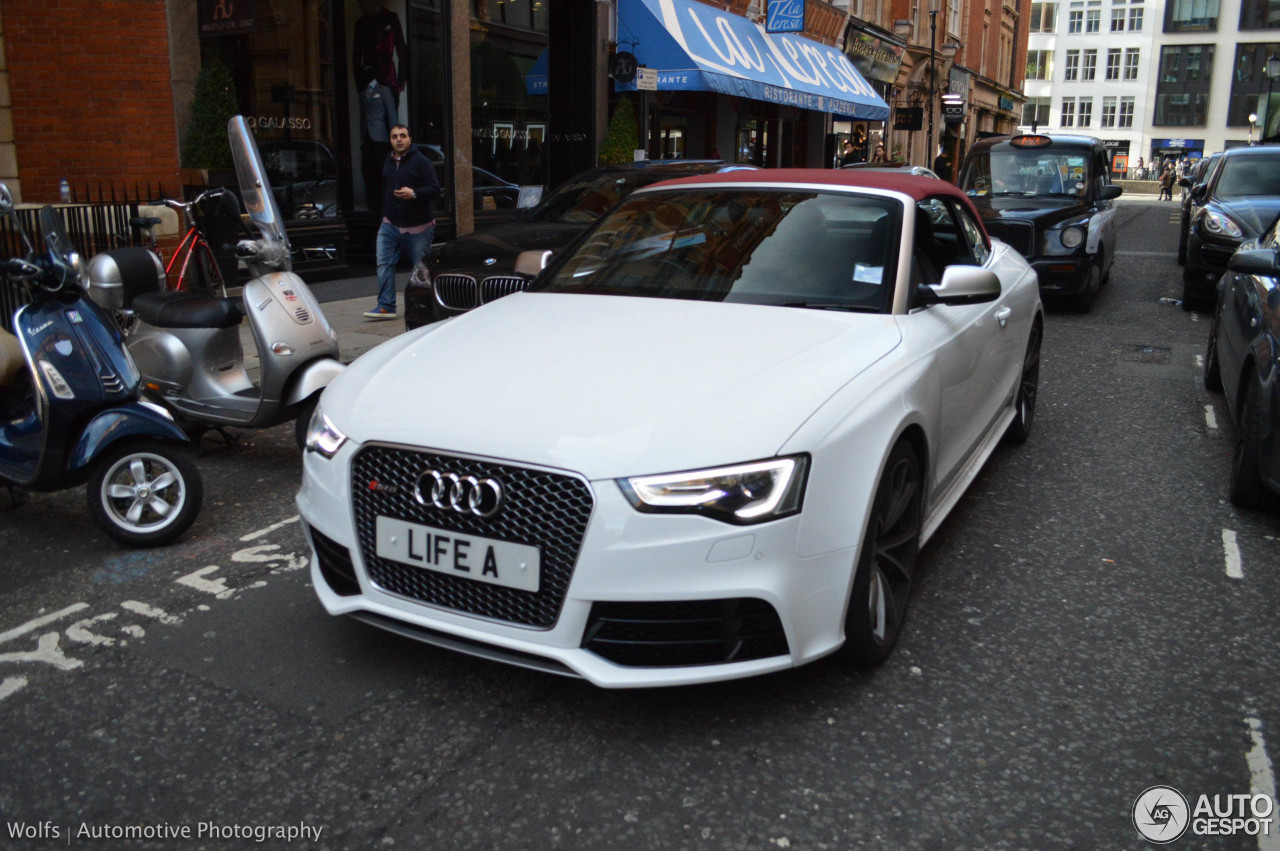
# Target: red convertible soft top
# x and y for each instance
(917, 188)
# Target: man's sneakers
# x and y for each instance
(380, 313)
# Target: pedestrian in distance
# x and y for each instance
(848, 157)
(1166, 183)
(878, 155)
(409, 184)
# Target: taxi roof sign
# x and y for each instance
(1030, 141)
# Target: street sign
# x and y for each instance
(908, 118)
(622, 67)
(647, 79)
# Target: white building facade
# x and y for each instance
(1089, 69)
(1154, 79)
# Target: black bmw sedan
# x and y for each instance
(1240, 201)
(479, 267)
(1243, 360)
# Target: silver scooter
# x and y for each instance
(187, 345)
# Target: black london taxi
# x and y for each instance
(1050, 197)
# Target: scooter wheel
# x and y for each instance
(145, 493)
(302, 422)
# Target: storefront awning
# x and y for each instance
(535, 79)
(698, 47)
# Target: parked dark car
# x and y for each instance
(477, 268)
(1243, 360)
(1240, 201)
(1050, 197)
(1201, 171)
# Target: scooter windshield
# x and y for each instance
(255, 190)
(64, 262)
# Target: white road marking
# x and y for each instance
(1231, 550)
(269, 529)
(1210, 417)
(11, 685)
(46, 651)
(217, 587)
(79, 631)
(1199, 361)
(31, 626)
(149, 612)
(1262, 780)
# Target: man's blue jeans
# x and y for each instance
(392, 245)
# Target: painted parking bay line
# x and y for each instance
(1262, 781)
(1231, 553)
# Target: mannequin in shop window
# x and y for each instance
(378, 43)
(377, 117)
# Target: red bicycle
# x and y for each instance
(212, 218)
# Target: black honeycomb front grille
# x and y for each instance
(546, 510)
(1020, 236)
(685, 632)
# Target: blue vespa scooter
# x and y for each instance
(69, 404)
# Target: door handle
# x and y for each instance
(1002, 316)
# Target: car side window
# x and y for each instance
(973, 239)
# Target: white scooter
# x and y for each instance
(187, 345)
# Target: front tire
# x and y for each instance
(886, 562)
(145, 493)
(302, 422)
(1246, 489)
(1082, 302)
(1193, 282)
(1212, 370)
(1028, 389)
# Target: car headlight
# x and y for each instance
(739, 494)
(1220, 225)
(323, 436)
(1072, 237)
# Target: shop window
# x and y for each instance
(1260, 14)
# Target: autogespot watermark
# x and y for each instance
(1162, 815)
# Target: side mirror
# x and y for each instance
(964, 285)
(6, 200)
(530, 263)
(1256, 261)
(1110, 192)
(1184, 182)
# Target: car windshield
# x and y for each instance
(1027, 172)
(1257, 174)
(750, 245)
(583, 199)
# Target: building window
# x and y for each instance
(1093, 21)
(1249, 82)
(1072, 71)
(1039, 64)
(1035, 111)
(1185, 109)
(1108, 112)
(1113, 63)
(1090, 65)
(1131, 62)
(1135, 18)
(1260, 14)
(1186, 63)
(1182, 16)
(1068, 112)
(1085, 114)
(1126, 112)
(1043, 17)
(1117, 19)
(1075, 21)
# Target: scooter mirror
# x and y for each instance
(6, 200)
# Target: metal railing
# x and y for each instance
(93, 227)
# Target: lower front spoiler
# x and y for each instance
(1063, 275)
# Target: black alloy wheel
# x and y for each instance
(1212, 371)
(886, 562)
(1028, 389)
(1246, 489)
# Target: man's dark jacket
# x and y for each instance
(414, 171)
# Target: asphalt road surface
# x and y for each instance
(1094, 619)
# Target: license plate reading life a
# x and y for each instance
(468, 556)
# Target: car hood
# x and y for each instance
(1044, 211)
(608, 386)
(1256, 213)
(503, 242)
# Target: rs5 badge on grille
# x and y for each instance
(466, 556)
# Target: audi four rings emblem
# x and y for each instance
(463, 494)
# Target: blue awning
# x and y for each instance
(698, 47)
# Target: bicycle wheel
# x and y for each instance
(201, 272)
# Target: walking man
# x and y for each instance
(409, 184)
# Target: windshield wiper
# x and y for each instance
(818, 305)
